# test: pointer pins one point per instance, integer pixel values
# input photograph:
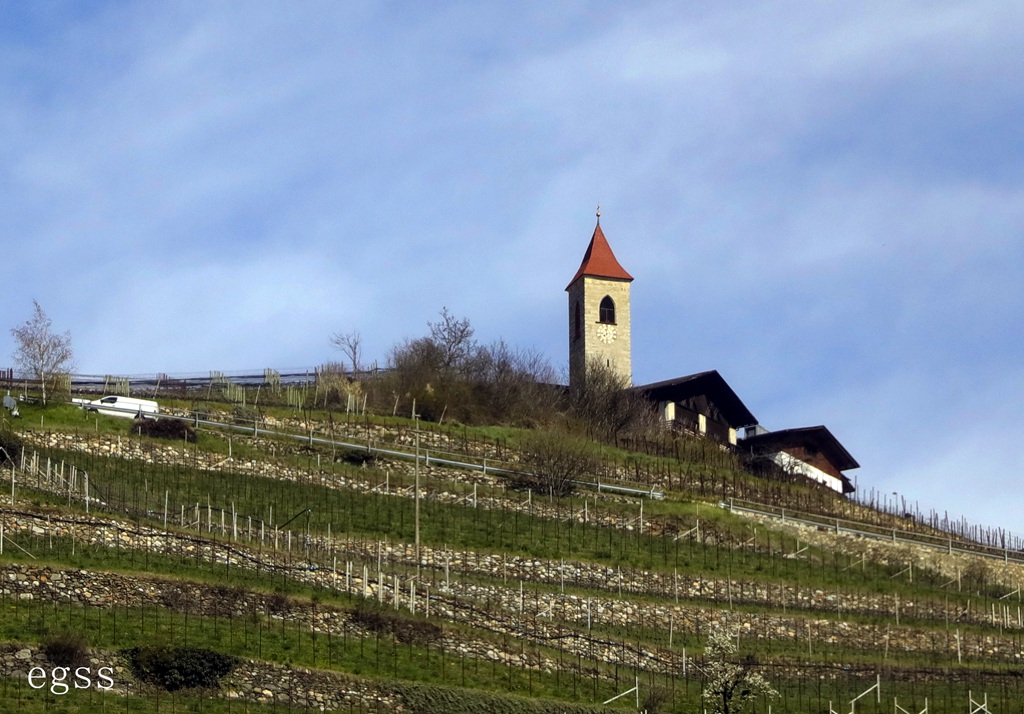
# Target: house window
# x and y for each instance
(607, 311)
(577, 322)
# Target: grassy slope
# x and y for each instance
(838, 671)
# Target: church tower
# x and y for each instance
(599, 324)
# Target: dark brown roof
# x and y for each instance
(709, 384)
(816, 438)
(599, 261)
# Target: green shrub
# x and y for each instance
(174, 668)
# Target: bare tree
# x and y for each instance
(512, 386)
(432, 370)
(977, 575)
(556, 460)
(447, 372)
(41, 352)
(454, 338)
(351, 344)
(608, 407)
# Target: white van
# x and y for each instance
(128, 407)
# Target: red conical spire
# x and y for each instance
(599, 261)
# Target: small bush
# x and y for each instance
(174, 668)
(278, 602)
(246, 416)
(226, 600)
(206, 412)
(556, 460)
(178, 599)
(976, 575)
(371, 618)
(557, 487)
(10, 446)
(657, 700)
(165, 429)
(377, 618)
(356, 458)
(67, 649)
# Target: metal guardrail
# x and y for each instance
(293, 375)
(255, 430)
(895, 536)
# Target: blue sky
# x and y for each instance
(823, 201)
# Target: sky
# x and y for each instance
(822, 201)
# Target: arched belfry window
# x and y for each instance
(607, 311)
(577, 322)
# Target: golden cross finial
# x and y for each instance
(599, 213)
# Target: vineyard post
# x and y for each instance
(417, 488)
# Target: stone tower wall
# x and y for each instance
(589, 291)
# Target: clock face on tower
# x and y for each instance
(606, 333)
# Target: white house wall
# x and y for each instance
(795, 465)
(668, 411)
